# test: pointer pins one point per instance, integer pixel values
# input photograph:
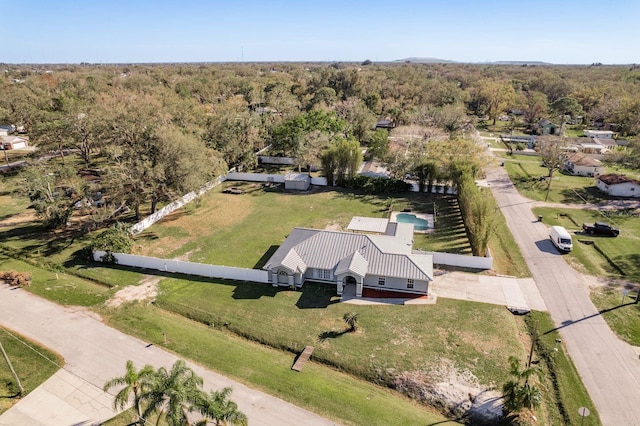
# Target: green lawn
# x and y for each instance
(563, 389)
(32, 363)
(602, 256)
(318, 388)
(244, 230)
(478, 343)
(60, 287)
(529, 177)
(620, 311)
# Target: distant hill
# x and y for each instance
(519, 63)
(420, 60)
(426, 61)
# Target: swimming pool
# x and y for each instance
(418, 223)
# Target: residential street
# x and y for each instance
(95, 353)
(609, 367)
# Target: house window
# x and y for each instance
(381, 280)
(409, 282)
(323, 274)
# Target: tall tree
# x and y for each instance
(136, 383)
(554, 154)
(341, 161)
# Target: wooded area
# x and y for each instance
(151, 132)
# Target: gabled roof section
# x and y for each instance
(293, 262)
(582, 160)
(355, 263)
(387, 255)
(613, 179)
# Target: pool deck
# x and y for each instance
(425, 216)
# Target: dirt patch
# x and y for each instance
(455, 391)
(18, 219)
(146, 289)
(333, 226)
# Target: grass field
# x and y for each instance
(318, 388)
(478, 343)
(243, 230)
(601, 256)
(528, 175)
(32, 363)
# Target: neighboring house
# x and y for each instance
(6, 129)
(297, 181)
(582, 165)
(377, 262)
(13, 142)
(592, 147)
(546, 127)
(600, 134)
(618, 185)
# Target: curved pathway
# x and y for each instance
(609, 367)
(95, 353)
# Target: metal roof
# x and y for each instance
(368, 224)
(387, 255)
(355, 263)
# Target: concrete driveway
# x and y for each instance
(95, 353)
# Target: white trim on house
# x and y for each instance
(362, 258)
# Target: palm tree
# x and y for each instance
(136, 383)
(351, 319)
(174, 394)
(518, 392)
(220, 409)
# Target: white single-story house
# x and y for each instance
(600, 134)
(378, 262)
(297, 181)
(582, 165)
(13, 142)
(618, 185)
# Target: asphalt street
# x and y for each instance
(95, 353)
(609, 367)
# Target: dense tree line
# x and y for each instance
(155, 131)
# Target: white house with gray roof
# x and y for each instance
(382, 262)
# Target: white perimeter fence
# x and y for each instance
(169, 208)
(189, 268)
(460, 260)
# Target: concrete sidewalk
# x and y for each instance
(95, 353)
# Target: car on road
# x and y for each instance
(600, 228)
(560, 238)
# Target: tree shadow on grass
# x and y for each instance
(331, 334)
(317, 296)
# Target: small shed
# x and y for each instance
(13, 142)
(297, 181)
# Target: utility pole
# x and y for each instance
(533, 342)
(15, 376)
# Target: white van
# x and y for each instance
(560, 238)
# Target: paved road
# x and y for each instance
(609, 367)
(95, 353)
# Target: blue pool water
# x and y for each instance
(418, 224)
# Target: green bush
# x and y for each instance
(372, 185)
(116, 239)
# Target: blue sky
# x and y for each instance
(96, 31)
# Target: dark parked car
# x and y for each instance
(600, 228)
